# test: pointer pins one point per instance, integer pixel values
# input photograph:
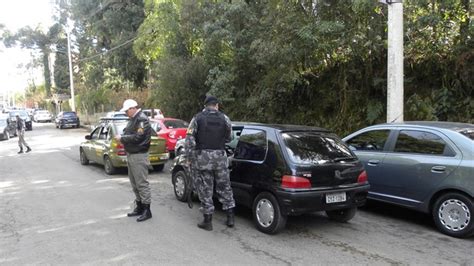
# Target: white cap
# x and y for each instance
(127, 104)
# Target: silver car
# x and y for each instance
(425, 166)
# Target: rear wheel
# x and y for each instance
(452, 214)
(83, 157)
(267, 215)
(108, 166)
(180, 185)
(342, 215)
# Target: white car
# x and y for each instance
(42, 116)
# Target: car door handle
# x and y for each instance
(373, 162)
(438, 169)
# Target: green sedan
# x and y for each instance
(102, 148)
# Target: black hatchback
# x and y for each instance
(281, 170)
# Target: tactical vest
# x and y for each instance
(211, 131)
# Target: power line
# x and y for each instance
(110, 50)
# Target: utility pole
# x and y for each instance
(71, 82)
(395, 61)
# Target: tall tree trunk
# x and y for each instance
(46, 73)
(464, 27)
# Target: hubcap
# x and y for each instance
(265, 212)
(107, 165)
(179, 186)
(83, 158)
(454, 215)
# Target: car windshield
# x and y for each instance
(468, 133)
(23, 114)
(176, 124)
(69, 114)
(315, 148)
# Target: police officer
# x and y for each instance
(20, 128)
(207, 134)
(136, 139)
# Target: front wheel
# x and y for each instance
(181, 187)
(342, 215)
(108, 166)
(83, 157)
(267, 215)
(452, 214)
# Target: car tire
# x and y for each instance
(342, 215)
(83, 157)
(267, 214)
(179, 151)
(108, 166)
(180, 185)
(453, 215)
(60, 127)
(159, 168)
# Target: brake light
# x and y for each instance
(362, 177)
(120, 149)
(290, 181)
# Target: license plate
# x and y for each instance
(153, 158)
(336, 197)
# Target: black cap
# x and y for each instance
(210, 100)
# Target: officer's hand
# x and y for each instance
(118, 137)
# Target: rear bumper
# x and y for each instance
(299, 202)
(155, 159)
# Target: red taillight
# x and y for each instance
(362, 177)
(290, 181)
(120, 149)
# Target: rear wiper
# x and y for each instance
(339, 159)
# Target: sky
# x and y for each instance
(15, 14)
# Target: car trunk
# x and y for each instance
(322, 158)
(157, 145)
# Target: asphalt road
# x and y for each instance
(53, 210)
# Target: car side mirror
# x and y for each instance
(88, 137)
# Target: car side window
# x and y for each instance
(95, 133)
(252, 145)
(369, 141)
(103, 133)
(414, 141)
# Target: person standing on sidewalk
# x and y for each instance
(20, 129)
(136, 139)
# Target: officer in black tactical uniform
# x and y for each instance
(207, 134)
(136, 139)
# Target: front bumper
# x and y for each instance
(299, 202)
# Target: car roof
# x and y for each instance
(454, 126)
(281, 127)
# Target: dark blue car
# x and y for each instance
(67, 119)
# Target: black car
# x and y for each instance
(23, 115)
(281, 170)
(67, 119)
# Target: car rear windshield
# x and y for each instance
(468, 133)
(315, 147)
(70, 114)
(120, 126)
(175, 124)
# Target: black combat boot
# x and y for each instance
(138, 209)
(21, 151)
(206, 224)
(146, 213)
(230, 217)
(28, 149)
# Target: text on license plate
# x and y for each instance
(336, 197)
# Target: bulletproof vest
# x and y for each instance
(211, 131)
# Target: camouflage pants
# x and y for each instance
(212, 167)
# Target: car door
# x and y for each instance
(89, 146)
(248, 169)
(370, 148)
(418, 161)
(100, 144)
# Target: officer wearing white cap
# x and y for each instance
(136, 139)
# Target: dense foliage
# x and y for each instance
(312, 62)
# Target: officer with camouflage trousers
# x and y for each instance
(207, 134)
(136, 139)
